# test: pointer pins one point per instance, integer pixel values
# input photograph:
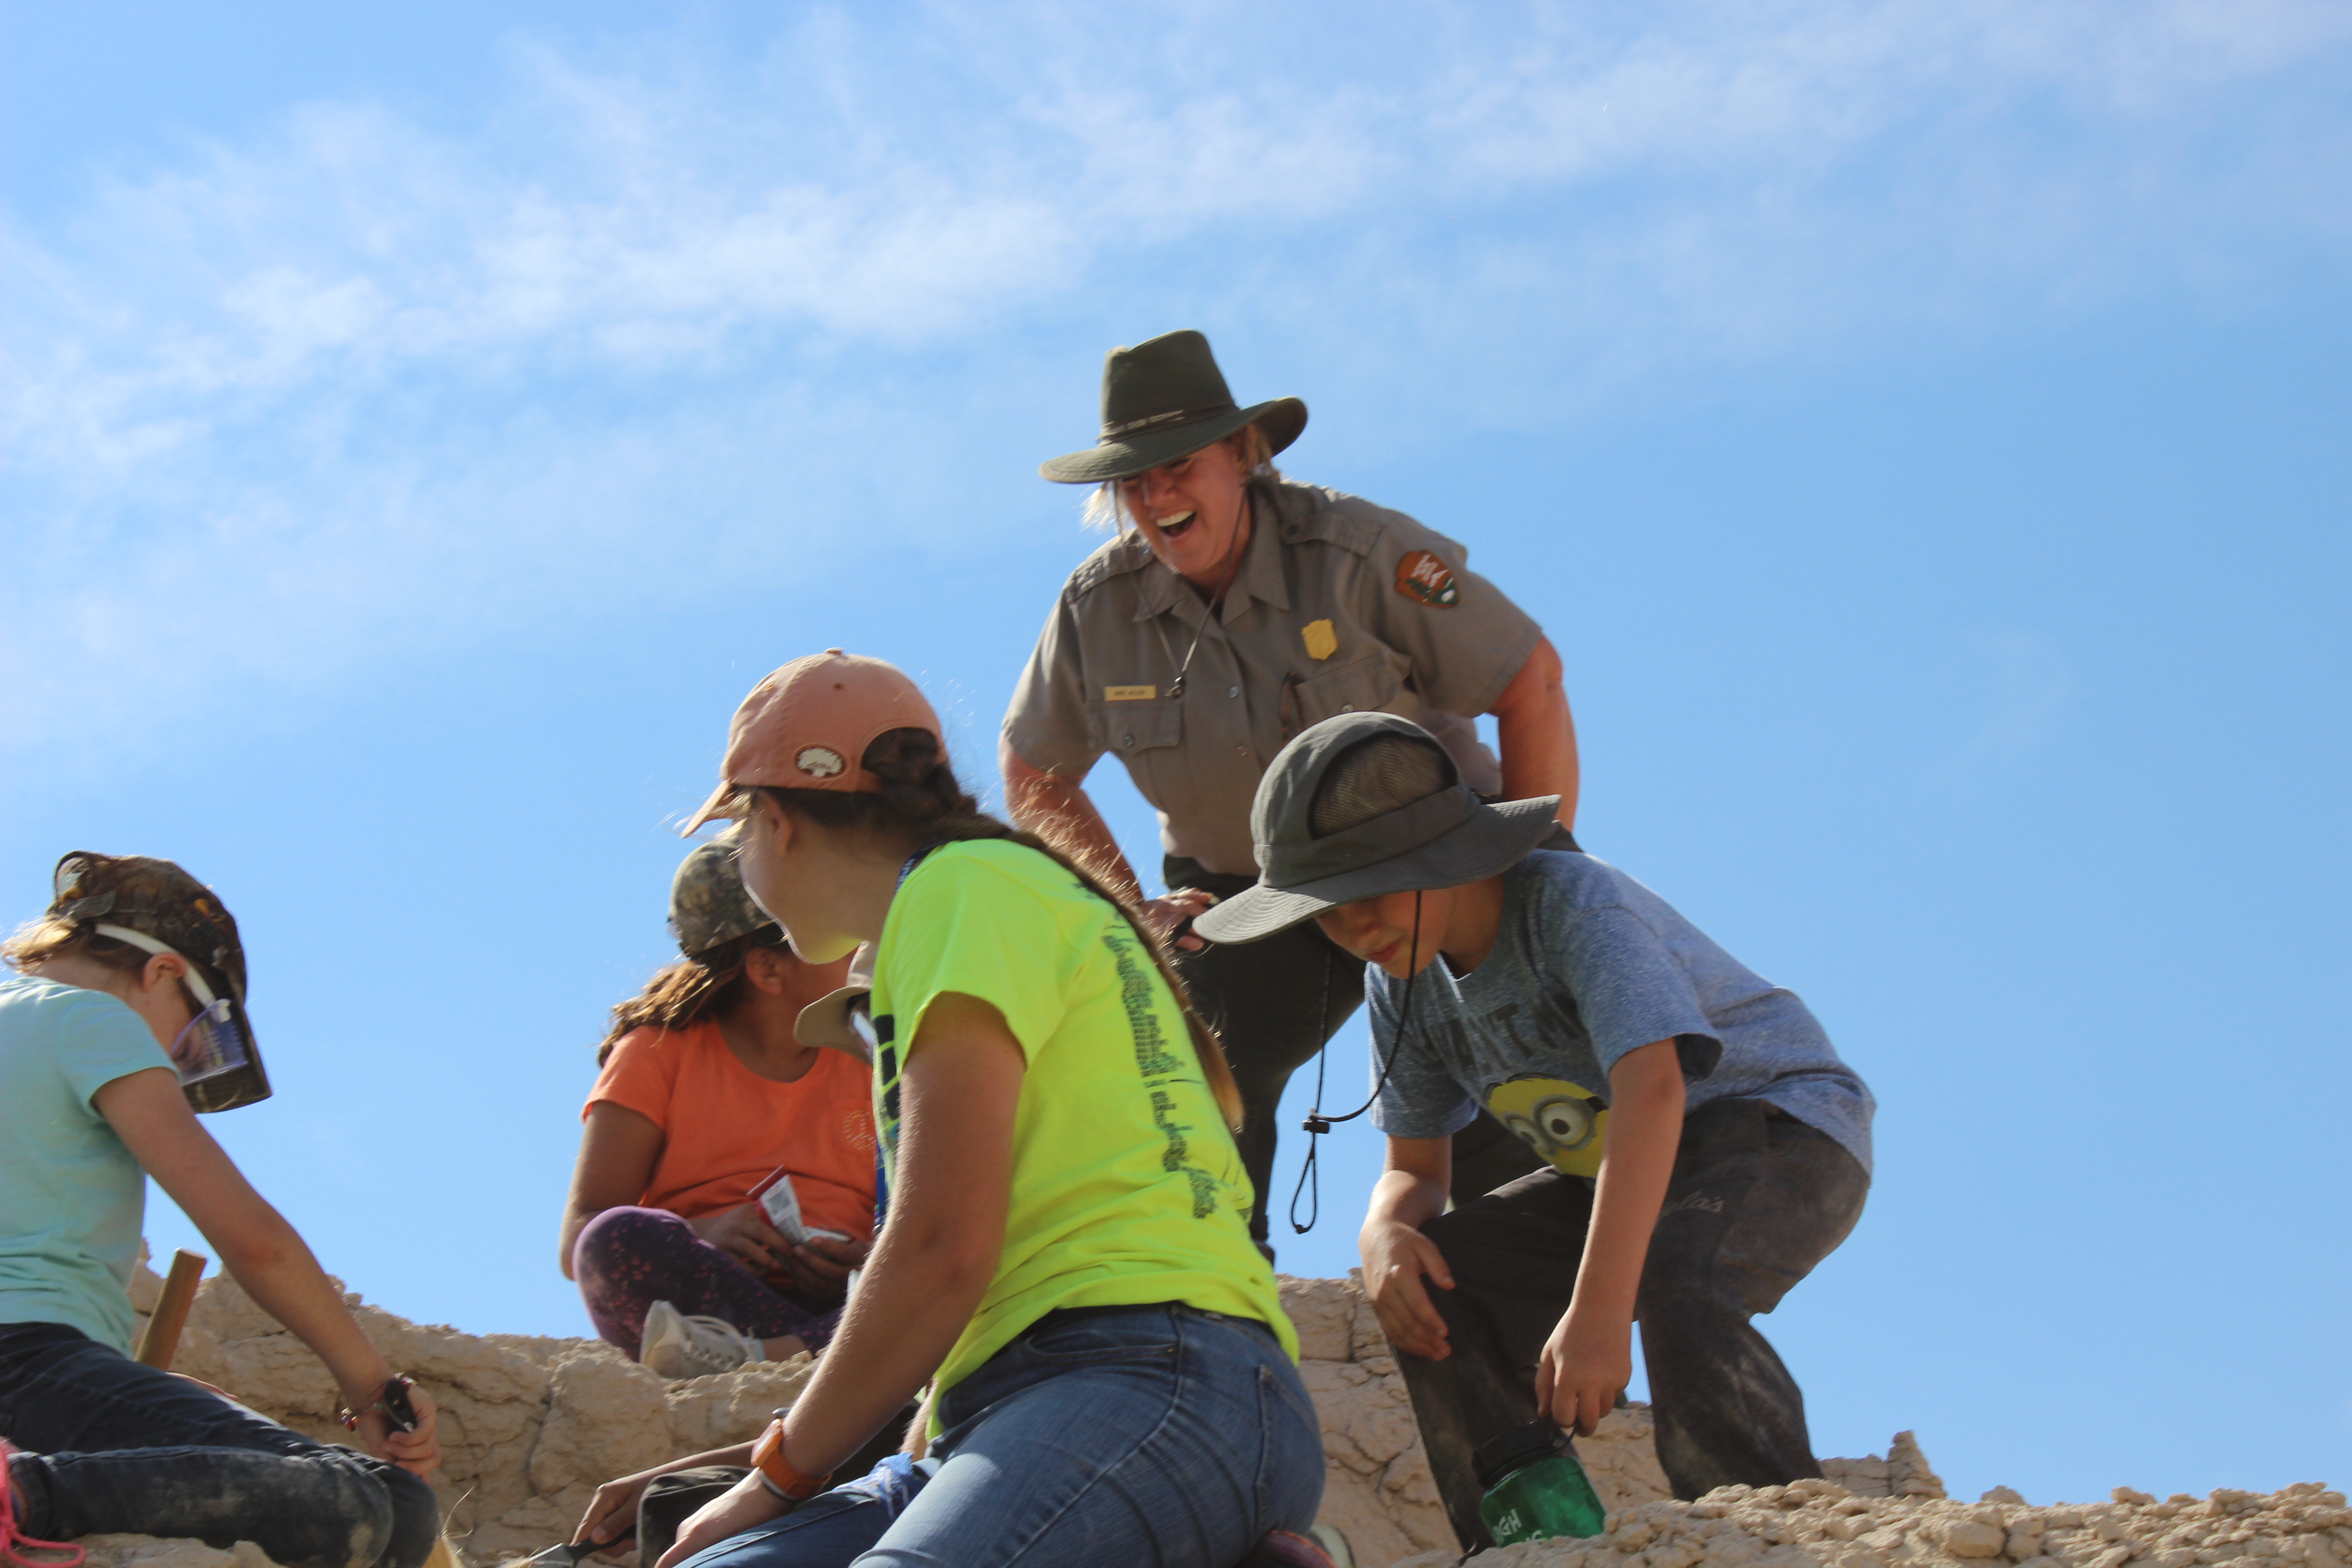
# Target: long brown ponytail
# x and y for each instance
(690, 991)
(919, 795)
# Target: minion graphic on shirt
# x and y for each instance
(1560, 1120)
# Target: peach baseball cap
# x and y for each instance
(807, 726)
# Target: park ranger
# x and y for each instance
(1235, 608)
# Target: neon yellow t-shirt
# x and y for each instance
(1126, 1188)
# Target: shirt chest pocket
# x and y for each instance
(1135, 729)
(1369, 684)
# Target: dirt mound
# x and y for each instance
(1377, 1487)
(529, 1425)
(1822, 1524)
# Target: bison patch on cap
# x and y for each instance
(1422, 577)
(820, 762)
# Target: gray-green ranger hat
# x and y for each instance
(707, 903)
(1366, 804)
(1162, 399)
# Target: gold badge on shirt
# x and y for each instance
(1322, 642)
(1129, 693)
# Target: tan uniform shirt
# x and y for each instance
(1339, 606)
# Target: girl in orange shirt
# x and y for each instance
(704, 1093)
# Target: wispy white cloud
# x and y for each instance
(362, 373)
(2020, 685)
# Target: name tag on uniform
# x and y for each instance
(1129, 693)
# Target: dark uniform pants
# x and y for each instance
(1756, 1200)
(1274, 1003)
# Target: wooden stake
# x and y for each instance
(161, 1342)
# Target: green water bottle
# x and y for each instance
(1535, 1487)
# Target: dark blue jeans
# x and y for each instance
(114, 1446)
(1157, 1437)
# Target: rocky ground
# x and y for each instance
(529, 1425)
(1820, 1525)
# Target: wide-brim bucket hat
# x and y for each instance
(1164, 399)
(1439, 840)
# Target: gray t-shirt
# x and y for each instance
(1591, 964)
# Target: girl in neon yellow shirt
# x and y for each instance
(1065, 1256)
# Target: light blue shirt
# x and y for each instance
(72, 1199)
(1591, 964)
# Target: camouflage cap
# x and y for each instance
(155, 897)
(707, 903)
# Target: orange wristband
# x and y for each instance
(777, 1474)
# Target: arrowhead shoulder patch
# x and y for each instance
(1424, 579)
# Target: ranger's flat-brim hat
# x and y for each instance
(1440, 841)
(1164, 399)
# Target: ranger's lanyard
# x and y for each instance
(1216, 600)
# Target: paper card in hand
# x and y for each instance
(781, 1204)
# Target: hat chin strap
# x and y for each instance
(193, 981)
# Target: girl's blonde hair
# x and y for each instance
(38, 941)
(1248, 446)
(919, 795)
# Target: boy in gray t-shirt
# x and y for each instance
(1706, 1146)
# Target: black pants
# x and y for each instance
(1274, 1003)
(114, 1446)
(1756, 1198)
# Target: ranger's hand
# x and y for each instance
(1585, 1365)
(744, 1233)
(1396, 1257)
(1165, 916)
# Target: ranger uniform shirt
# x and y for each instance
(1339, 606)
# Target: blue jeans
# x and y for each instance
(114, 1446)
(1158, 1436)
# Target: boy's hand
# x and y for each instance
(1396, 1256)
(1585, 1366)
(744, 1233)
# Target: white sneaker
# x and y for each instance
(676, 1345)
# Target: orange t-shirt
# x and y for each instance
(725, 1128)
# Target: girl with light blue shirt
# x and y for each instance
(125, 1016)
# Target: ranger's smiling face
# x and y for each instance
(1189, 510)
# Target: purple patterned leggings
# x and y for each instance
(628, 1258)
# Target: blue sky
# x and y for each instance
(1922, 428)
